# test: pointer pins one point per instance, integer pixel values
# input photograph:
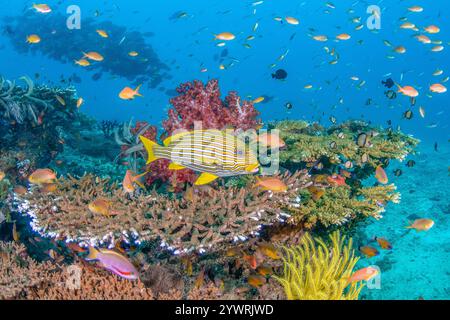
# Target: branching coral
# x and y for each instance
(338, 206)
(19, 272)
(312, 271)
(310, 143)
(207, 219)
(76, 282)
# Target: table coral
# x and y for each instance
(210, 218)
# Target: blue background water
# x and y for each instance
(418, 265)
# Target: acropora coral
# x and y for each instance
(314, 271)
(18, 272)
(206, 218)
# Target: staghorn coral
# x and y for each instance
(312, 271)
(88, 285)
(338, 206)
(209, 219)
(18, 272)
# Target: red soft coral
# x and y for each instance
(202, 103)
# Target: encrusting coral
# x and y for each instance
(207, 218)
(313, 271)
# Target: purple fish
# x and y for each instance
(114, 262)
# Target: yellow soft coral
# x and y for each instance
(312, 271)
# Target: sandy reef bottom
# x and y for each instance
(418, 266)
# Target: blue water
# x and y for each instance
(418, 265)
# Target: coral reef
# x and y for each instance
(93, 284)
(35, 125)
(309, 143)
(206, 219)
(18, 272)
(65, 45)
(338, 205)
(312, 271)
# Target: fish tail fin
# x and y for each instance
(137, 91)
(137, 180)
(149, 146)
(93, 253)
(84, 54)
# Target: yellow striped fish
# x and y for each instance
(213, 152)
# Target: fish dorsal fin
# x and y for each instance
(175, 137)
(205, 178)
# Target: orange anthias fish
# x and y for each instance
(432, 29)
(102, 33)
(95, 56)
(369, 251)
(20, 190)
(2, 175)
(264, 270)
(384, 243)
(42, 8)
(438, 88)
(269, 250)
(42, 176)
(80, 102)
(103, 207)
(251, 260)
(48, 187)
(421, 225)
(363, 274)
(33, 38)
(83, 62)
(408, 91)
(343, 36)
(129, 94)
(292, 20)
(381, 175)
(271, 184)
(130, 179)
(316, 193)
(336, 180)
(256, 280)
(225, 36)
(271, 140)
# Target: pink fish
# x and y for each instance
(114, 262)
